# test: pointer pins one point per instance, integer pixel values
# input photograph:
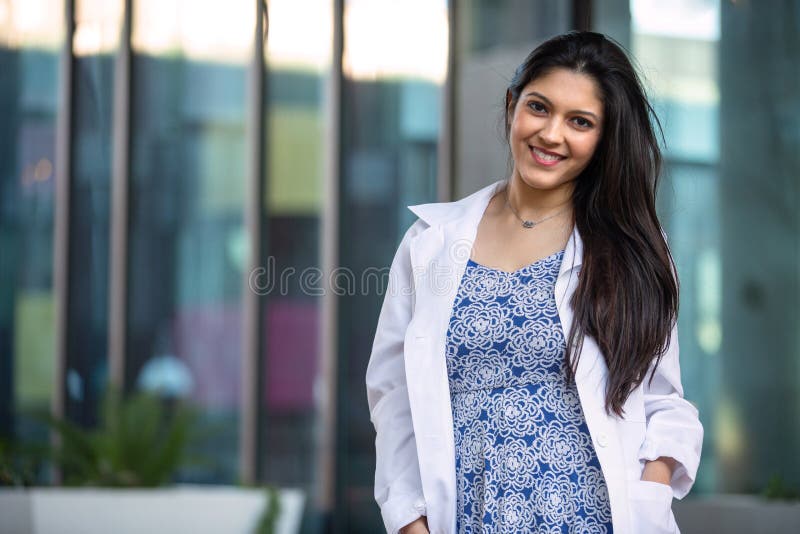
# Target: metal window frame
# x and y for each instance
(582, 14)
(445, 186)
(252, 302)
(61, 221)
(120, 189)
(329, 254)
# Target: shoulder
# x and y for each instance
(436, 213)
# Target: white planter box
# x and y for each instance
(735, 514)
(178, 510)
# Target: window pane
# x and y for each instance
(187, 241)
(757, 412)
(391, 109)
(96, 38)
(493, 39)
(30, 44)
(298, 59)
(724, 79)
(686, 95)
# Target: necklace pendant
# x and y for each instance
(528, 224)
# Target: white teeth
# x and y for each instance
(546, 157)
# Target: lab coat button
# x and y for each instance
(602, 440)
(419, 506)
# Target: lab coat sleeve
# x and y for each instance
(673, 426)
(398, 487)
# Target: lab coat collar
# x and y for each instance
(467, 213)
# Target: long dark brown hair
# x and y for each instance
(627, 294)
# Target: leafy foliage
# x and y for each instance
(15, 469)
(269, 519)
(140, 442)
(778, 489)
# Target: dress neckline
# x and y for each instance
(520, 270)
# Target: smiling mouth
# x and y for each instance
(546, 158)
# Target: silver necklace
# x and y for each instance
(530, 224)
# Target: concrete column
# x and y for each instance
(613, 18)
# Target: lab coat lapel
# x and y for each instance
(439, 256)
(590, 379)
(426, 372)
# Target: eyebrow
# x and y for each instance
(547, 101)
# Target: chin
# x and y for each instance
(544, 183)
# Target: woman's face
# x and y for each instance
(555, 128)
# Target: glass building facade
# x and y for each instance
(31, 41)
(204, 201)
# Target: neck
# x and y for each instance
(530, 202)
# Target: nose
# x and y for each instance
(551, 133)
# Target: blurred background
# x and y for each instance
(154, 154)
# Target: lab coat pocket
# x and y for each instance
(632, 427)
(651, 508)
(632, 435)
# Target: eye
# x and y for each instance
(582, 122)
(538, 107)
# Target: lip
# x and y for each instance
(545, 162)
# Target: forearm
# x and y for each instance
(419, 526)
(659, 470)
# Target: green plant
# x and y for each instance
(269, 519)
(18, 466)
(778, 489)
(140, 442)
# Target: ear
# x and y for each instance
(509, 106)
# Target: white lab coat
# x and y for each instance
(409, 397)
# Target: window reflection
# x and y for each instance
(677, 47)
(493, 39)
(30, 40)
(188, 149)
(96, 40)
(198, 30)
(97, 27)
(300, 35)
(298, 59)
(759, 232)
(391, 109)
(31, 24)
(378, 44)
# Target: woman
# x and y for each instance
(524, 375)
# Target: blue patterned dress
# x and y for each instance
(524, 457)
